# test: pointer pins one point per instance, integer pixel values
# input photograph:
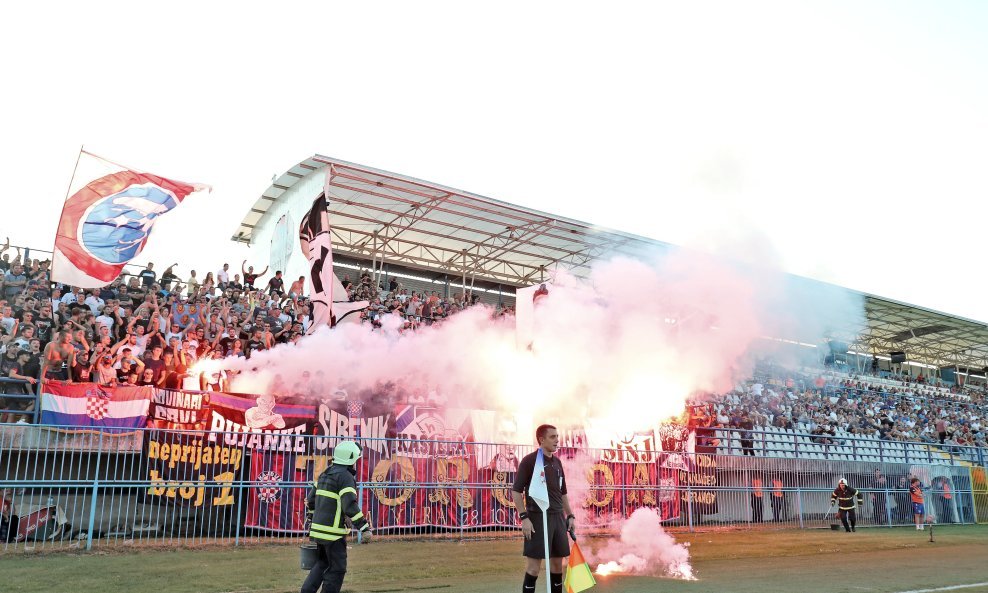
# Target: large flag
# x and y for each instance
(313, 234)
(578, 574)
(87, 406)
(330, 303)
(106, 223)
(537, 489)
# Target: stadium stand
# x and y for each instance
(116, 333)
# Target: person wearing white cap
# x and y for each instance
(848, 500)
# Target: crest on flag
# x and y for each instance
(97, 403)
(270, 489)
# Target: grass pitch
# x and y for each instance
(879, 560)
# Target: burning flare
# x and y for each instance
(644, 548)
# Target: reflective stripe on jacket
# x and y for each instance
(846, 498)
(333, 498)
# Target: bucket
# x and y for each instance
(309, 555)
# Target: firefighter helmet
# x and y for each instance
(346, 453)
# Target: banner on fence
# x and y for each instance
(259, 423)
(188, 410)
(346, 421)
(188, 469)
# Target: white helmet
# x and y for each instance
(842, 481)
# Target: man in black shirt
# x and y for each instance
(531, 514)
(255, 343)
(148, 276)
(276, 285)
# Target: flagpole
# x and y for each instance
(68, 191)
(545, 543)
(115, 164)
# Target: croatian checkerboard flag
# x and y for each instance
(87, 406)
(106, 223)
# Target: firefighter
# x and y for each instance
(848, 499)
(334, 498)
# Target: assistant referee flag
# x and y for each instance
(578, 575)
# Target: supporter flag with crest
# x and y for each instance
(277, 499)
(87, 406)
(106, 222)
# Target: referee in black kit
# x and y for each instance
(559, 518)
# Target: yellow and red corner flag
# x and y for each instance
(578, 574)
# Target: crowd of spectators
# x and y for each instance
(833, 407)
(410, 309)
(143, 329)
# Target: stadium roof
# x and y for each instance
(425, 225)
(420, 224)
(923, 335)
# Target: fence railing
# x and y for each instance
(14, 392)
(154, 487)
(778, 442)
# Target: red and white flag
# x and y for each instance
(106, 223)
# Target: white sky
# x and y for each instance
(850, 138)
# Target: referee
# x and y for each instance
(531, 515)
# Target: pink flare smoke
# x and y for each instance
(627, 346)
(645, 548)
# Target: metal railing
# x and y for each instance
(18, 390)
(153, 487)
(842, 446)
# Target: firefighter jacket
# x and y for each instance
(334, 498)
(845, 498)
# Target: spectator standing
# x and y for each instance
(916, 496)
(223, 277)
(94, 302)
(148, 276)
(193, 284)
(276, 285)
(941, 426)
(169, 276)
(746, 426)
(297, 288)
(250, 278)
(14, 281)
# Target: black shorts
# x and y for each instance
(558, 542)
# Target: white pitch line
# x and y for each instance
(950, 588)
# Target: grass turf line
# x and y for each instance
(880, 560)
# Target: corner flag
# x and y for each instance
(578, 575)
(537, 489)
